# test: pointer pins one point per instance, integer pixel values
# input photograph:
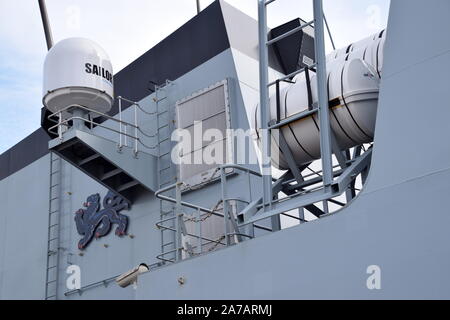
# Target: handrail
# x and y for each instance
(160, 223)
(90, 110)
(65, 122)
(137, 104)
(122, 123)
(190, 235)
(158, 194)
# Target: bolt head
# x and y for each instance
(181, 281)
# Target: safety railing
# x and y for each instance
(127, 131)
(181, 217)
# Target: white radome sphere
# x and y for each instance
(77, 71)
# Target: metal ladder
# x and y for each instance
(165, 169)
(54, 206)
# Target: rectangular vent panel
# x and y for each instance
(209, 106)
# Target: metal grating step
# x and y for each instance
(128, 185)
(111, 174)
(88, 159)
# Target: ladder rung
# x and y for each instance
(52, 212)
(54, 198)
(160, 99)
(161, 170)
(54, 185)
(52, 267)
(53, 239)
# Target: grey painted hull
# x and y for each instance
(399, 221)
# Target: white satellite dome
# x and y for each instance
(78, 71)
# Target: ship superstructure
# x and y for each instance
(303, 174)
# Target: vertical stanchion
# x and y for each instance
(60, 119)
(125, 135)
(225, 205)
(264, 103)
(324, 118)
(120, 121)
(135, 130)
(199, 231)
(178, 216)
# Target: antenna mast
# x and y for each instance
(46, 24)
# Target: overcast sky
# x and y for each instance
(126, 29)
